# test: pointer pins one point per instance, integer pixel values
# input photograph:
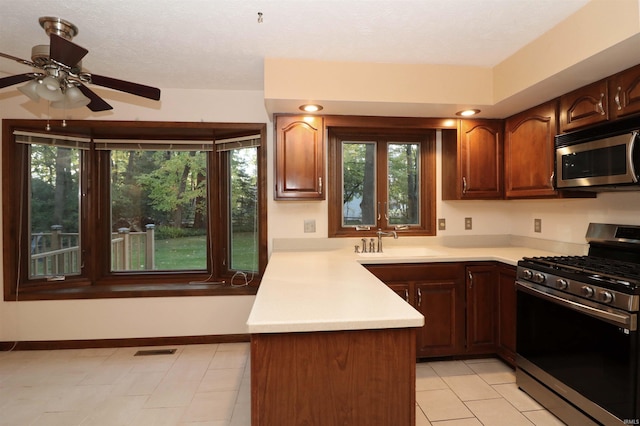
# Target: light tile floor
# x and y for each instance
(208, 385)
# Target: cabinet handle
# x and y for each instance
(320, 184)
(406, 295)
(601, 104)
(419, 297)
(378, 210)
(386, 211)
(617, 98)
(470, 280)
(551, 179)
(464, 185)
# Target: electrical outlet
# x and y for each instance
(468, 224)
(442, 224)
(309, 225)
(537, 225)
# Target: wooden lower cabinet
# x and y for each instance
(507, 301)
(442, 304)
(357, 378)
(481, 308)
(462, 305)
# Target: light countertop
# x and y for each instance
(330, 290)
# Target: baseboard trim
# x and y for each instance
(121, 343)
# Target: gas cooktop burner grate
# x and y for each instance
(602, 269)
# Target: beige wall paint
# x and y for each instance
(563, 220)
(598, 26)
(138, 317)
(600, 39)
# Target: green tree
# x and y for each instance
(243, 189)
(54, 188)
(359, 179)
(403, 184)
(174, 186)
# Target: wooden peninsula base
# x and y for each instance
(327, 378)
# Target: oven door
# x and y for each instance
(586, 351)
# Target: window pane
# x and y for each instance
(54, 211)
(403, 201)
(243, 209)
(358, 183)
(158, 210)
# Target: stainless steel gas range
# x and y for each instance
(577, 332)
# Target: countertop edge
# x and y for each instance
(329, 272)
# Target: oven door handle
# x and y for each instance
(622, 319)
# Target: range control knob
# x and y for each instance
(527, 274)
(587, 291)
(562, 284)
(539, 278)
(607, 297)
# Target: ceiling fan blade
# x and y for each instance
(126, 86)
(97, 103)
(20, 60)
(65, 52)
(15, 79)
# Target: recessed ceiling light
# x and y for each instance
(467, 112)
(311, 107)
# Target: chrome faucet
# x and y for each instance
(381, 234)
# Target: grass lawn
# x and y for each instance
(190, 253)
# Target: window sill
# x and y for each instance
(133, 291)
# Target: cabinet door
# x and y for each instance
(584, 107)
(625, 93)
(401, 289)
(529, 152)
(299, 158)
(473, 164)
(507, 313)
(442, 305)
(437, 291)
(481, 308)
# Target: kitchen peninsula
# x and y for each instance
(331, 344)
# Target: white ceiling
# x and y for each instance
(219, 44)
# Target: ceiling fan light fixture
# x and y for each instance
(50, 89)
(73, 98)
(30, 90)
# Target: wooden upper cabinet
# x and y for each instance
(299, 158)
(472, 164)
(585, 106)
(624, 89)
(529, 152)
(614, 97)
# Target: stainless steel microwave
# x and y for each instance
(606, 163)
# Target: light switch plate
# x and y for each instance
(442, 224)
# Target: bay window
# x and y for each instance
(132, 209)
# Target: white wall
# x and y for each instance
(563, 220)
(136, 317)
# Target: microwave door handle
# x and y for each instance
(631, 148)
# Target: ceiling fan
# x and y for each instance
(60, 78)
